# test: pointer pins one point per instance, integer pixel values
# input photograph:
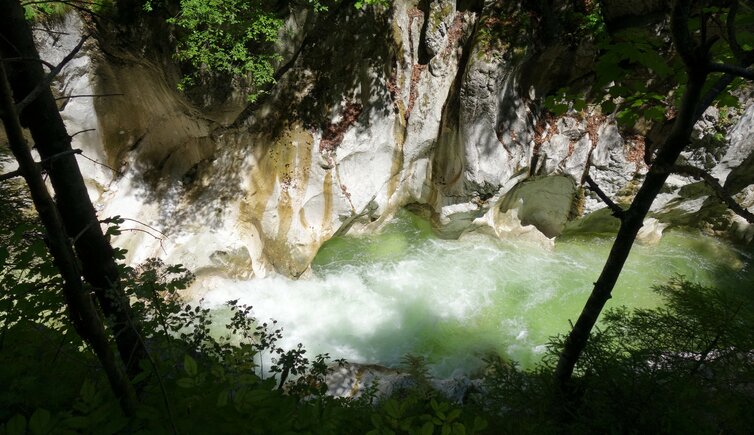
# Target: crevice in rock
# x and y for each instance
(423, 54)
(137, 142)
(450, 118)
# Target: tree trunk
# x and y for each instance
(633, 218)
(81, 309)
(42, 118)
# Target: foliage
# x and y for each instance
(637, 73)
(582, 20)
(412, 415)
(685, 367)
(233, 38)
(228, 36)
(196, 380)
(505, 31)
(26, 269)
(361, 4)
(35, 10)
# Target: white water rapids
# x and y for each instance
(374, 299)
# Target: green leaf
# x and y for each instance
(217, 371)
(559, 109)
(656, 63)
(655, 113)
(247, 379)
(189, 365)
(39, 423)
(427, 429)
(258, 395)
(76, 422)
(88, 391)
(376, 421)
(392, 409)
(627, 118)
(727, 100)
(454, 414)
(433, 404)
(479, 424)
(222, 398)
(16, 425)
(186, 382)
(608, 107)
(620, 91)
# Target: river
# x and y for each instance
(374, 299)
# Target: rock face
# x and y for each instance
(397, 107)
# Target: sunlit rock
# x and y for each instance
(427, 112)
(651, 231)
(545, 202)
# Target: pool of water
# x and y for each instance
(374, 299)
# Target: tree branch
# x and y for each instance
(684, 43)
(59, 155)
(745, 58)
(87, 96)
(10, 175)
(703, 29)
(731, 69)
(115, 171)
(50, 77)
(708, 98)
(83, 313)
(730, 28)
(616, 209)
(29, 59)
(42, 164)
(82, 131)
(39, 29)
(720, 191)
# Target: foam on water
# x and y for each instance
(374, 299)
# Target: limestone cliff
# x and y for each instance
(373, 111)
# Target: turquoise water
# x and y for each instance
(375, 298)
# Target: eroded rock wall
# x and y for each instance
(374, 110)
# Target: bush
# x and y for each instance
(685, 367)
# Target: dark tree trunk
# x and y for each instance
(631, 221)
(81, 309)
(629, 228)
(42, 118)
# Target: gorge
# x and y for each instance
(376, 216)
(400, 178)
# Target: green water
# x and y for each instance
(375, 298)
